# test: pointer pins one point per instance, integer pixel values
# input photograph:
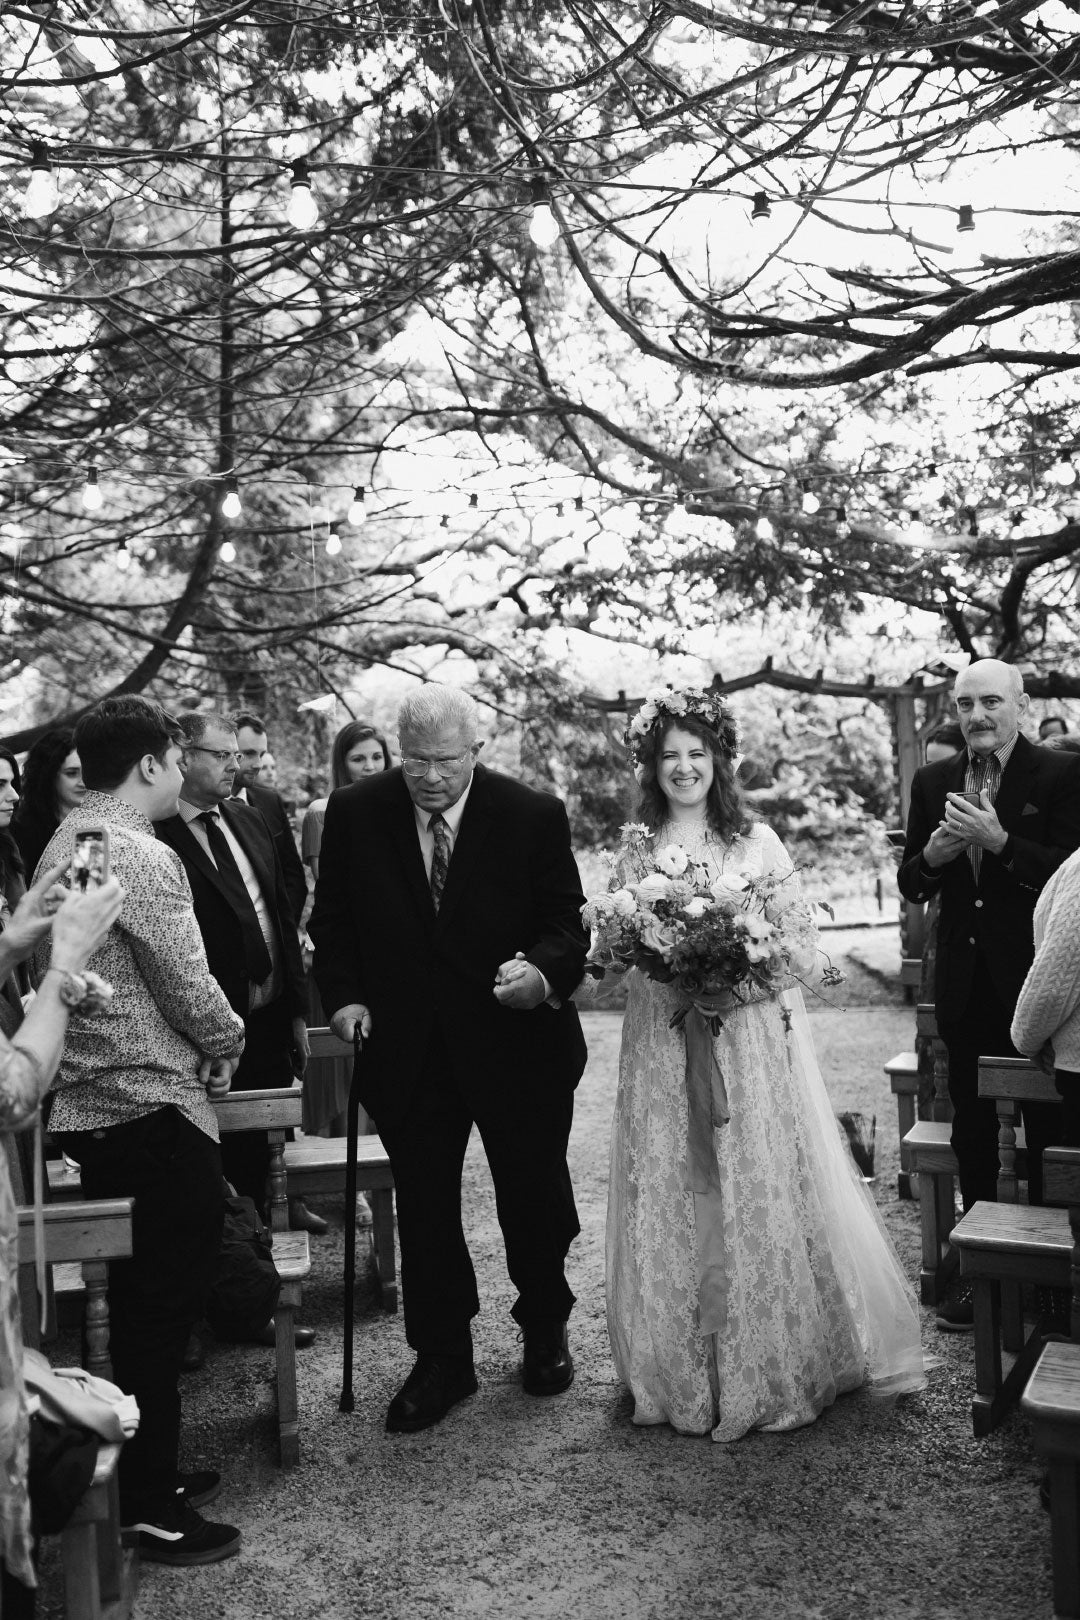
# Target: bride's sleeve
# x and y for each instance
(788, 902)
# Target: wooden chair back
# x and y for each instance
(1011, 1081)
(276, 1112)
(926, 1027)
(89, 1234)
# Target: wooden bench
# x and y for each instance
(277, 1112)
(903, 1073)
(80, 1240)
(101, 1574)
(316, 1164)
(1052, 1403)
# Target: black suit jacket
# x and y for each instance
(271, 806)
(217, 920)
(1038, 805)
(512, 885)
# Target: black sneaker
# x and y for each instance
(183, 1536)
(203, 1486)
(957, 1314)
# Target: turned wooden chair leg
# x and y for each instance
(96, 1280)
(285, 1349)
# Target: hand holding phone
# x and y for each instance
(90, 858)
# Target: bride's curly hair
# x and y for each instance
(726, 811)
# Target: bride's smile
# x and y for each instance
(684, 773)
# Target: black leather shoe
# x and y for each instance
(435, 1384)
(302, 1336)
(548, 1367)
(302, 1219)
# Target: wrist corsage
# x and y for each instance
(87, 993)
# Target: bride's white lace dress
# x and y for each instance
(815, 1298)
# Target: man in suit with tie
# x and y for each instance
(247, 926)
(249, 789)
(985, 830)
(447, 926)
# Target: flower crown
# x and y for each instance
(666, 703)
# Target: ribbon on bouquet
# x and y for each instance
(706, 1111)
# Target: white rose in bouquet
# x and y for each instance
(623, 903)
(672, 859)
(697, 906)
(655, 887)
(728, 886)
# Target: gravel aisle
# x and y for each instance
(516, 1506)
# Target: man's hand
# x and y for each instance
(519, 984)
(975, 824)
(301, 1044)
(216, 1075)
(345, 1020)
(942, 847)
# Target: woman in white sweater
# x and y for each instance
(1046, 1025)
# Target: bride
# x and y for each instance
(751, 1306)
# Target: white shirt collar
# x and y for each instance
(451, 816)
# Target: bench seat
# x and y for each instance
(1052, 1403)
(1002, 1247)
(317, 1164)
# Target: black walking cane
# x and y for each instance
(347, 1403)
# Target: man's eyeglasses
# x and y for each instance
(413, 766)
(220, 755)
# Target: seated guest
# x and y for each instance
(28, 1062)
(943, 742)
(133, 1106)
(1052, 726)
(52, 786)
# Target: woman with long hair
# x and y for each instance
(52, 786)
(359, 750)
(750, 1279)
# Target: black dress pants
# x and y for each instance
(265, 1065)
(173, 1172)
(981, 1029)
(526, 1153)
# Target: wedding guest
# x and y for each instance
(988, 858)
(447, 928)
(52, 786)
(358, 750)
(252, 749)
(1052, 726)
(268, 771)
(944, 742)
(753, 1300)
(12, 866)
(28, 1061)
(1046, 1024)
(133, 1106)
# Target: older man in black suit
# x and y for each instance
(986, 829)
(447, 924)
(247, 925)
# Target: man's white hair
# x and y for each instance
(434, 707)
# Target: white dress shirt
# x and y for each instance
(260, 994)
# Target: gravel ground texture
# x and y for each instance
(560, 1507)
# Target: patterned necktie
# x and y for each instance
(257, 963)
(982, 776)
(440, 857)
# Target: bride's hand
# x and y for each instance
(715, 1002)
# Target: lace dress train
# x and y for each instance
(815, 1301)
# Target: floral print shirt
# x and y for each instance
(143, 1052)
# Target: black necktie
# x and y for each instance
(257, 963)
(440, 857)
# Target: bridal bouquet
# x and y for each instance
(708, 935)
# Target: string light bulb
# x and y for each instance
(230, 506)
(91, 496)
(543, 226)
(123, 557)
(228, 551)
(333, 545)
(303, 211)
(761, 209)
(843, 527)
(965, 220)
(1063, 473)
(810, 503)
(42, 197)
(763, 528)
(356, 509)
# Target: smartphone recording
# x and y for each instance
(90, 858)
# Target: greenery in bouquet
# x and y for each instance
(709, 935)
